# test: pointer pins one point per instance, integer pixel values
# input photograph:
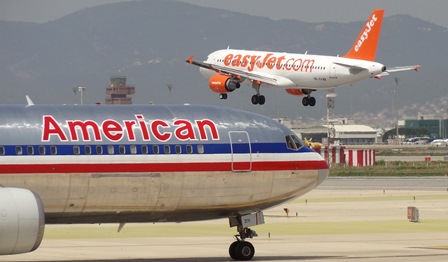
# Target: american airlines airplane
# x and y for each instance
(126, 164)
(298, 74)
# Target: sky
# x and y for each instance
(434, 11)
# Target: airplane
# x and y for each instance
(310, 143)
(71, 164)
(298, 74)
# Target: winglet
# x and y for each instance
(365, 45)
(190, 60)
(416, 68)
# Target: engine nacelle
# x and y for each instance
(22, 221)
(223, 84)
(294, 91)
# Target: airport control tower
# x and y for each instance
(117, 92)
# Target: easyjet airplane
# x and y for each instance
(298, 74)
(123, 164)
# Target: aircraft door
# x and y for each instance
(332, 72)
(241, 151)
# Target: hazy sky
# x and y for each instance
(434, 11)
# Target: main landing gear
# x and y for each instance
(257, 98)
(308, 100)
(241, 249)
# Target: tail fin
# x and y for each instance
(365, 45)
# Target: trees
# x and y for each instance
(406, 132)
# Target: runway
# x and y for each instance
(341, 221)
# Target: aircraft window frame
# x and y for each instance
(2, 150)
(30, 150)
(144, 149)
(133, 149)
(155, 149)
(76, 150)
(178, 149)
(19, 150)
(99, 149)
(189, 149)
(53, 150)
(122, 149)
(200, 148)
(110, 149)
(299, 143)
(290, 143)
(41, 150)
(293, 142)
(87, 150)
(167, 149)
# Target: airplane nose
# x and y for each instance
(322, 175)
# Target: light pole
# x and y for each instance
(80, 90)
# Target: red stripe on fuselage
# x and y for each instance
(157, 167)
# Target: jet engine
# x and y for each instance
(223, 84)
(22, 221)
(294, 92)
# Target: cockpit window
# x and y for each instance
(293, 142)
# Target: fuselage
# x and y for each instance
(295, 70)
(99, 164)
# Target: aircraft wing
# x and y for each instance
(259, 76)
(354, 69)
(399, 69)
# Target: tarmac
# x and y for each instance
(339, 221)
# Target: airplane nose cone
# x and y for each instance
(322, 175)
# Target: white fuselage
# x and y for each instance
(295, 70)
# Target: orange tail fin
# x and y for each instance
(365, 45)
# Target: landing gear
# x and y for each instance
(309, 101)
(222, 96)
(241, 249)
(257, 98)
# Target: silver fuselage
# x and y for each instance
(100, 164)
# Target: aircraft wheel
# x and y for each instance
(312, 101)
(261, 100)
(254, 99)
(245, 250)
(222, 96)
(232, 250)
(305, 101)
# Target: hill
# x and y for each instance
(149, 41)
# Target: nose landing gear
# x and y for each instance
(241, 249)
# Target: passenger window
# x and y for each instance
(2, 150)
(166, 149)
(110, 149)
(76, 150)
(155, 149)
(53, 150)
(133, 149)
(30, 150)
(41, 150)
(87, 150)
(144, 149)
(122, 149)
(189, 149)
(178, 149)
(99, 150)
(201, 149)
(18, 150)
